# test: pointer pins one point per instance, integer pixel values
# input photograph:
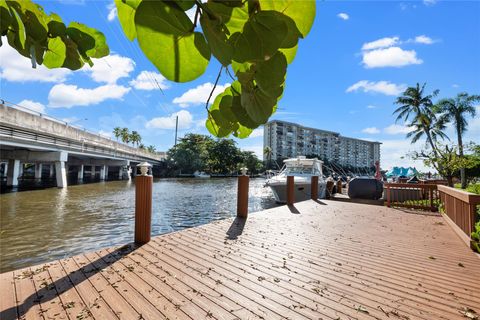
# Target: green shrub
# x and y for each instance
(476, 238)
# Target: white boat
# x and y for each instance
(302, 169)
(200, 174)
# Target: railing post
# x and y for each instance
(431, 189)
(290, 190)
(388, 195)
(242, 195)
(143, 204)
(339, 186)
(314, 188)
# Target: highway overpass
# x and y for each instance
(58, 149)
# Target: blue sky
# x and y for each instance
(358, 57)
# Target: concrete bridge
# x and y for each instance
(58, 149)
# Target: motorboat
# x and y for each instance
(302, 169)
(201, 174)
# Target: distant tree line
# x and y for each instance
(197, 152)
(133, 137)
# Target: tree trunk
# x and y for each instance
(450, 181)
(463, 179)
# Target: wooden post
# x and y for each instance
(290, 190)
(314, 188)
(143, 208)
(242, 196)
(339, 186)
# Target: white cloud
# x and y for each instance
(256, 133)
(423, 39)
(185, 121)
(32, 105)
(397, 129)
(104, 133)
(390, 57)
(383, 87)
(429, 2)
(455, 85)
(110, 68)
(343, 16)
(67, 96)
(371, 107)
(70, 119)
(149, 80)
(394, 153)
(112, 11)
(381, 43)
(16, 68)
(199, 95)
(371, 130)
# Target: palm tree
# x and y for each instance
(142, 146)
(135, 138)
(117, 132)
(151, 149)
(268, 152)
(125, 135)
(415, 104)
(456, 110)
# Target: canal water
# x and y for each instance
(43, 225)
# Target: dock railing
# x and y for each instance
(461, 207)
(412, 196)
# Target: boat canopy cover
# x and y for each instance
(401, 171)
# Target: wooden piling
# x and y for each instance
(143, 208)
(290, 190)
(242, 196)
(314, 188)
(339, 186)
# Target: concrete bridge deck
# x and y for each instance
(316, 260)
(34, 138)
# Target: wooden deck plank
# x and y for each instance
(8, 303)
(307, 259)
(52, 307)
(69, 297)
(329, 261)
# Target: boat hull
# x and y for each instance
(302, 191)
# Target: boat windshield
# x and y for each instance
(298, 170)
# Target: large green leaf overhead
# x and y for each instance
(165, 34)
(44, 38)
(301, 11)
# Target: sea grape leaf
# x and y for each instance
(56, 53)
(234, 18)
(165, 36)
(216, 34)
(73, 60)
(185, 4)
(179, 59)
(302, 12)
(18, 36)
(56, 27)
(258, 105)
(91, 43)
(230, 3)
(158, 17)
(126, 14)
(289, 53)
(242, 132)
(270, 74)
(35, 21)
(5, 17)
(263, 34)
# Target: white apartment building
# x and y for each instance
(288, 140)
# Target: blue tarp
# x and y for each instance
(401, 171)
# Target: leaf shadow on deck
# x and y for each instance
(236, 228)
(47, 293)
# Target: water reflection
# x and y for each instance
(42, 225)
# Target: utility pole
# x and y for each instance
(176, 129)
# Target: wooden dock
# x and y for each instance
(316, 260)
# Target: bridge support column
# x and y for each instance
(80, 172)
(61, 174)
(52, 167)
(106, 172)
(13, 173)
(102, 172)
(38, 170)
(20, 169)
(120, 172)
